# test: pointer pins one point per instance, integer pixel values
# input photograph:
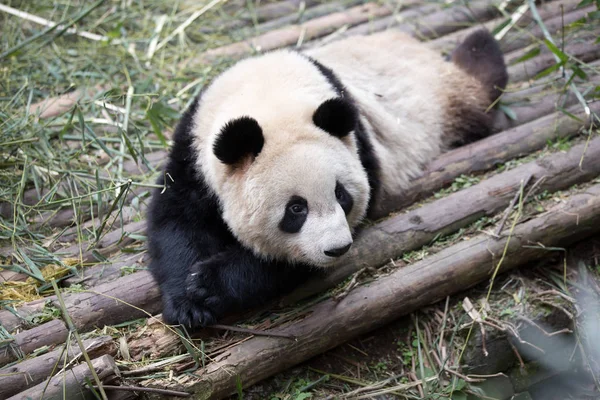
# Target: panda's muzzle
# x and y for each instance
(340, 251)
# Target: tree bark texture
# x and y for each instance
(25, 342)
(550, 13)
(69, 384)
(585, 52)
(127, 298)
(444, 22)
(19, 377)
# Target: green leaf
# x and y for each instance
(129, 145)
(594, 15)
(160, 116)
(529, 55)
(115, 32)
(510, 113)
(570, 115)
(459, 396)
(238, 386)
(584, 3)
(500, 26)
(558, 52)
(34, 270)
(460, 384)
(303, 396)
(548, 71)
(579, 72)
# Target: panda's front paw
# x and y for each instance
(181, 310)
(203, 288)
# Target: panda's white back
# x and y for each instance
(405, 93)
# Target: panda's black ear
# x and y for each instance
(336, 116)
(239, 138)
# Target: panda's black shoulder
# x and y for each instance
(366, 151)
(183, 199)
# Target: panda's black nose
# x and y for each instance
(340, 251)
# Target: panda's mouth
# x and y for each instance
(332, 258)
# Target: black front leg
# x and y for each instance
(236, 280)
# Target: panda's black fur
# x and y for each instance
(365, 149)
(203, 271)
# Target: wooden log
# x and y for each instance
(551, 14)
(263, 14)
(70, 384)
(291, 34)
(133, 296)
(400, 21)
(407, 289)
(431, 26)
(130, 297)
(26, 342)
(55, 106)
(540, 100)
(317, 11)
(515, 40)
(514, 57)
(110, 243)
(485, 154)
(30, 372)
(154, 341)
(280, 9)
(108, 271)
(424, 22)
(446, 21)
(585, 52)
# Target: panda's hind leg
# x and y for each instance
(480, 56)
(474, 88)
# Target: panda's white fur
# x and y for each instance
(283, 155)
(403, 103)
(282, 94)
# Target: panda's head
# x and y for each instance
(294, 188)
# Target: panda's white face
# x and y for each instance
(297, 201)
(303, 204)
(275, 144)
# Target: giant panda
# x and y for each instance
(278, 161)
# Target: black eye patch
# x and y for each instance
(296, 211)
(344, 198)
